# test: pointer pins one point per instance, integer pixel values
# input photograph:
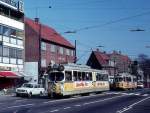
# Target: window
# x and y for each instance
(6, 60)
(67, 52)
(13, 41)
(56, 76)
(0, 37)
(20, 42)
(1, 29)
(6, 31)
(43, 46)
(43, 63)
(19, 54)
(75, 76)
(61, 50)
(68, 76)
(72, 53)
(53, 48)
(6, 39)
(12, 52)
(20, 61)
(83, 76)
(0, 50)
(13, 60)
(5, 51)
(79, 76)
(101, 77)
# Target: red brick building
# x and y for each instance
(101, 60)
(114, 62)
(45, 44)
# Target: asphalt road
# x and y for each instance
(137, 101)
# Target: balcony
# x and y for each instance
(11, 22)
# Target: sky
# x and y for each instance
(107, 23)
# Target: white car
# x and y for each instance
(30, 89)
(140, 85)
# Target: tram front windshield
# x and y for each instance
(56, 76)
(119, 79)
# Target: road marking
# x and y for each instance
(78, 105)
(102, 100)
(131, 106)
(145, 95)
(67, 107)
(54, 110)
(15, 111)
(71, 99)
(137, 94)
(20, 100)
(19, 106)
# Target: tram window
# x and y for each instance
(105, 77)
(68, 76)
(97, 76)
(79, 76)
(90, 76)
(120, 79)
(124, 78)
(87, 76)
(128, 79)
(101, 77)
(83, 76)
(134, 79)
(56, 76)
(75, 76)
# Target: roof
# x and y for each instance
(48, 33)
(123, 58)
(8, 74)
(101, 57)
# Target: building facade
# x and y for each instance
(44, 45)
(115, 62)
(11, 42)
(11, 35)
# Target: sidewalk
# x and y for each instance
(8, 92)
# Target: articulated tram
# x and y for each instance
(125, 81)
(72, 79)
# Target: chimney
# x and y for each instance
(104, 52)
(36, 20)
(97, 50)
(120, 52)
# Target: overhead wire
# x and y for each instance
(112, 22)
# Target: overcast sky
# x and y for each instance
(105, 23)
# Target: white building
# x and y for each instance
(11, 35)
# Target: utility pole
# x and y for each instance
(75, 60)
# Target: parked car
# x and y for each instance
(140, 85)
(30, 89)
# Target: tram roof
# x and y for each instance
(72, 66)
(125, 75)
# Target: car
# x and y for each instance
(140, 85)
(30, 89)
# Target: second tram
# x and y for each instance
(125, 81)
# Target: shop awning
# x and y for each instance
(8, 74)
